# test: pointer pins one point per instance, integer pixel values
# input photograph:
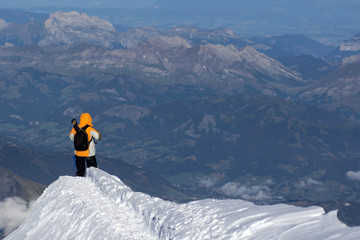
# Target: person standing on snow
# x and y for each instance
(86, 153)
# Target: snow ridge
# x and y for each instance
(100, 206)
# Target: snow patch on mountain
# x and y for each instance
(101, 206)
(74, 27)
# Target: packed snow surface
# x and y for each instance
(100, 206)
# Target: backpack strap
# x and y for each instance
(84, 128)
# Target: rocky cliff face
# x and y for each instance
(351, 59)
(73, 27)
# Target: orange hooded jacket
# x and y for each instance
(85, 119)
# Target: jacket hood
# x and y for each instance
(85, 119)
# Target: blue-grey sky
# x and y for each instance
(349, 8)
(326, 20)
(27, 4)
(185, 4)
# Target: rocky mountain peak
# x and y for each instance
(227, 53)
(190, 32)
(251, 55)
(162, 42)
(226, 32)
(74, 27)
(230, 53)
(76, 20)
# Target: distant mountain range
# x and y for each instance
(21, 17)
(198, 112)
(59, 29)
(327, 22)
(197, 49)
(289, 45)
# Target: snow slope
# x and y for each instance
(100, 206)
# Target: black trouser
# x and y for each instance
(80, 164)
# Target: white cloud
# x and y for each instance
(13, 212)
(232, 189)
(308, 182)
(17, 117)
(36, 123)
(353, 176)
(208, 123)
(207, 182)
(269, 182)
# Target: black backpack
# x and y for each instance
(81, 142)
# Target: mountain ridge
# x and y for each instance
(338, 91)
(162, 58)
(16, 186)
(121, 213)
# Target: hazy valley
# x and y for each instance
(201, 113)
